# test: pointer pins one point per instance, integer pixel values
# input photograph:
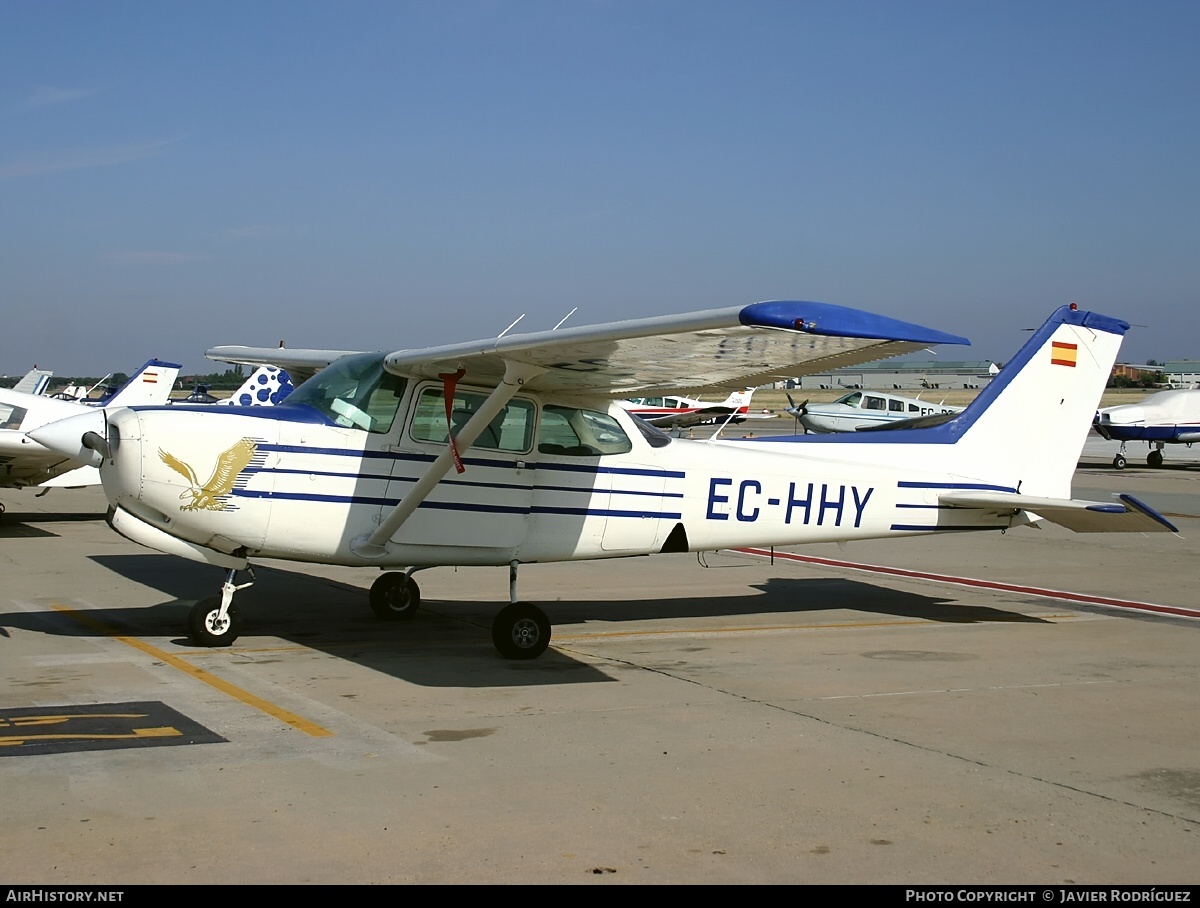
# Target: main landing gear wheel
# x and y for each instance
(206, 630)
(1154, 458)
(521, 631)
(394, 596)
(1119, 461)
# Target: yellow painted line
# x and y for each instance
(277, 712)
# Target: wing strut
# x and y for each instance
(515, 375)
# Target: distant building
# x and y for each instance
(901, 375)
(1180, 372)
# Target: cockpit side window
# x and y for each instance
(11, 417)
(353, 392)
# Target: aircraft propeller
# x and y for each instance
(797, 412)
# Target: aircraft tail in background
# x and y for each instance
(150, 385)
(34, 381)
(267, 386)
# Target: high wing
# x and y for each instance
(1124, 514)
(715, 349)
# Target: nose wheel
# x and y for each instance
(209, 627)
(216, 621)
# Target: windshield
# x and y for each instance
(853, 399)
(353, 392)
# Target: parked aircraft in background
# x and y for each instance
(266, 386)
(355, 467)
(24, 462)
(863, 409)
(674, 412)
(34, 381)
(1168, 417)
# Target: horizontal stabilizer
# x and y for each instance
(301, 364)
(1123, 515)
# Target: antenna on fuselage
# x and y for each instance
(510, 327)
(564, 318)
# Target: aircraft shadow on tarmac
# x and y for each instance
(17, 525)
(448, 643)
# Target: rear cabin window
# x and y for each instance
(574, 432)
(511, 430)
(896, 406)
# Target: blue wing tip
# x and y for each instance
(1144, 508)
(840, 321)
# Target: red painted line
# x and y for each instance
(1086, 598)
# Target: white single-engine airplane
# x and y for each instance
(862, 410)
(1168, 417)
(513, 450)
(675, 412)
(24, 462)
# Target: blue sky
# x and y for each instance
(385, 175)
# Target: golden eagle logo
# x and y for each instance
(208, 496)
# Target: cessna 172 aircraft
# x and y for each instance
(863, 409)
(513, 450)
(1168, 417)
(24, 462)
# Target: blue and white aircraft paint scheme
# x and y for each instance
(267, 386)
(24, 462)
(35, 381)
(1168, 417)
(862, 410)
(513, 450)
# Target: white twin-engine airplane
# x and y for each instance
(514, 450)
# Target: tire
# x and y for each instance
(521, 631)
(204, 630)
(1155, 458)
(1119, 461)
(394, 597)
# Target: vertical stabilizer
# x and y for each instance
(1031, 421)
(268, 386)
(150, 385)
(34, 381)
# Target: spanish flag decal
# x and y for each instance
(1063, 354)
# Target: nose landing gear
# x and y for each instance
(216, 621)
